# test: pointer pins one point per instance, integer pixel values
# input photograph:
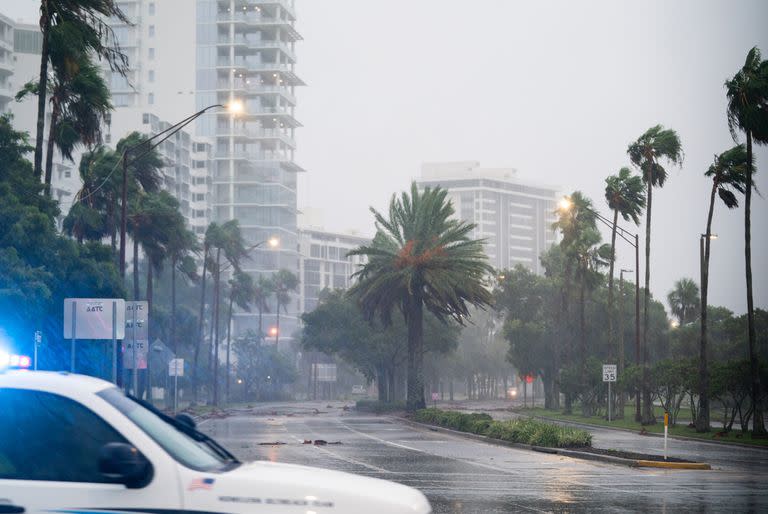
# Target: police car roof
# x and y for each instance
(61, 382)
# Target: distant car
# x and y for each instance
(75, 444)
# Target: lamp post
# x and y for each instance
(148, 145)
(633, 240)
(702, 421)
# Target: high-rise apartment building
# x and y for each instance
(324, 263)
(514, 216)
(246, 54)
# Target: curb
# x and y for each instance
(632, 463)
(651, 434)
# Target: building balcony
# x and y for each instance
(6, 65)
(256, 20)
(257, 133)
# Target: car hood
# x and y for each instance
(289, 488)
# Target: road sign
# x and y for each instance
(137, 320)
(435, 396)
(176, 368)
(325, 372)
(142, 353)
(609, 373)
(92, 318)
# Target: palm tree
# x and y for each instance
(262, 290)
(182, 243)
(655, 144)
(229, 240)
(747, 94)
(283, 284)
(85, 24)
(240, 293)
(210, 236)
(684, 301)
(626, 197)
(728, 174)
(421, 257)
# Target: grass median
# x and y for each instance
(628, 422)
(524, 430)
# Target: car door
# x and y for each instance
(49, 450)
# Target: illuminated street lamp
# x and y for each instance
(235, 107)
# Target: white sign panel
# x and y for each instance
(609, 373)
(176, 368)
(142, 352)
(137, 320)
(93, 318)
(325, 372)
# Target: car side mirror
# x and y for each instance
(186, 419)
(125, 464)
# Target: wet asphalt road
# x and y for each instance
(459, 475)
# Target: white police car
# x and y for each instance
(74, 444)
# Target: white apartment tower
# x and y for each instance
(245, 53)
(514, 216)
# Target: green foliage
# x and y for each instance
(263, 370)
(378, 407)
(522, 430)
(684, 301)
(625, 193)
(656, 143)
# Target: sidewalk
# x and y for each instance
(720, 456)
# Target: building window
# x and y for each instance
(151, 75)
(145, 118)
(151, 54)
(108, 138)
(151, 8)
(151, 31)
(151, 98)
(67, 174)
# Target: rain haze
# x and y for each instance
(556, 90)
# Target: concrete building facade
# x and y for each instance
(514, 216)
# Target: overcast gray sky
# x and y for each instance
(555, 89)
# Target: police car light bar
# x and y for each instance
(10, 360)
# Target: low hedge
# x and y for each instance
(523, 430)
(378, 407)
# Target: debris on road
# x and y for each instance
(276, 443)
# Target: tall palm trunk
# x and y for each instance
(135, 269)
(277, 331)
(261, 330)
(196, 371)
(585, 408)
(568, 408)
(611, 306)
(647, 418)
(216, 287)
(229, 343)
(415, 323)
(45, 26)
(758, 423)
(702, 421)
(173, 305)
(55, 112)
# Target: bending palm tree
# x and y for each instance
(207, 243)
(283, 284)
(421, 257)
(728, 174)
(655, 144)
(262, 290)
(625, 196)
(747, 94)
(240, 293)
(85, 21)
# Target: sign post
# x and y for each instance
(434, 400)
(93, 318)
(136, 340)
(38, 340)
(609, 375)
(176, 370)
(666, 429)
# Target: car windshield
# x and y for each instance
(183, 448)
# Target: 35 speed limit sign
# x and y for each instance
(609, 372)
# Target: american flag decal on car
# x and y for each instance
(201, 483)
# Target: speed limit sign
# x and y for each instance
(609, 372)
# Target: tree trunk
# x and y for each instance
(216, 293)
(585, 407)
(136, 291)
(414, 321)
(702, 420)
(149, 288)
(45, 26)
(229, 344)
(758, 423)
(173, 305)
(195, 370)
(55, 112)
(277, 327)
(648, 418)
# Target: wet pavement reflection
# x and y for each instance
(464, 476)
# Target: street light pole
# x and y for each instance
(150, 145)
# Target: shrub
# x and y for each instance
(523, 430)
(378, 407)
